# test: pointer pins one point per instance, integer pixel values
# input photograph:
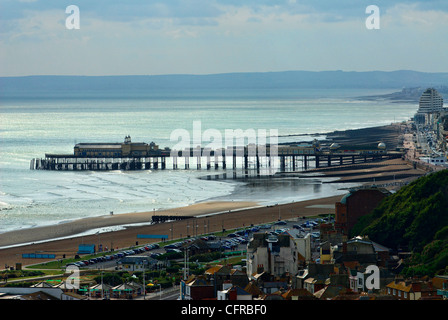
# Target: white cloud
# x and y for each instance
(222, 38)
(413, 17)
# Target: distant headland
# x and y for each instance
(249, 80)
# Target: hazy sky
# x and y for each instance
(219, 36)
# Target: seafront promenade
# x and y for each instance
(209, 216)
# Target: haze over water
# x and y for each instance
(31, 127)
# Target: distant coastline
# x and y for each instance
(66, 86)
(406, 95)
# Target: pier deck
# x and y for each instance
(260, 161)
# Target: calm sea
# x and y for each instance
(51, 123)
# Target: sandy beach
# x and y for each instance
(231, 215)
(208, 216)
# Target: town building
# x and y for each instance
(430, 101)
(356, 204)
(430, 104)
(278, 254)
(318, 273)
(440, 283)
(136, 263)
(411, 289)
(197, 288)
(221, 275)
(231, 292)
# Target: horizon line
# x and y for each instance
(217, 73)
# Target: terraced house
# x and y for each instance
(410, 290)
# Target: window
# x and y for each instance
(405, 294)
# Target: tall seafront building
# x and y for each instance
(430, 102)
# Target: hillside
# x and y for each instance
(415, 217)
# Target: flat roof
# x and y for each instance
(99, 145)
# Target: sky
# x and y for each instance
(154, 37)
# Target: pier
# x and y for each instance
(284, 159)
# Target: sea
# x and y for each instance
(32, 125)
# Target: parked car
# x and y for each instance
(173, 251)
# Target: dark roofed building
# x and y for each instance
(357, 203)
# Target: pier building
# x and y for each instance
(115, 150)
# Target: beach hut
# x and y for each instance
(127, 290)
(101, 290)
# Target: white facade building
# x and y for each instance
(430, 101)
(277, 255)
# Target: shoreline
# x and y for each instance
(76, 228)
(213, 214)
(235, 215)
